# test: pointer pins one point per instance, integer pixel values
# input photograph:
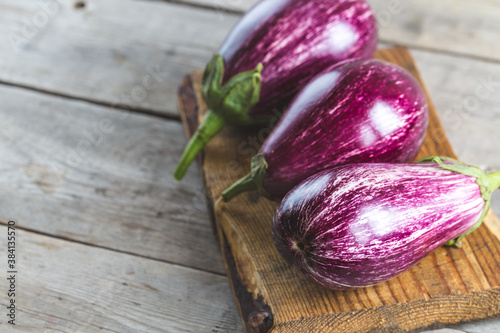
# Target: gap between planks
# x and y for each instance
(113, 292)
(117, 107)
(414, 47)
(97, 246)
(206, 6)
(122, 197)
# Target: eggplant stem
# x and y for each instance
(212, 123)
(486, 183)
(245, 184)
(494, 179)
(253, 181)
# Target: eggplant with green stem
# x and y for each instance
(361, 224)
(272, 52)
(357, 111)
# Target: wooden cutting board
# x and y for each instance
(449, 286)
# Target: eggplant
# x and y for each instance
(273, 51)
(361, 224)
(358, 111)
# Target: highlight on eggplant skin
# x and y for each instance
(275, 49)
(295, 40)
(361, 224)
(357, 111)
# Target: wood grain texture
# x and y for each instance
(67, 287)
(449, 286)
(91, 174)
(116, 52)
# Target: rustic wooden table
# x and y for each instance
(106, 239)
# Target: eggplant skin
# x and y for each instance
(295, 40)
(361, 224)
(356, 112)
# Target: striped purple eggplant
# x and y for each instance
(359, 111)
(273, 51)
(360, 224)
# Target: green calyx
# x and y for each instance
(252, 181)
(227, 104)
(236, 97)
(487, 184)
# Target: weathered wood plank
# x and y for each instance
(103, 177)
(133, 53)
(67, 287)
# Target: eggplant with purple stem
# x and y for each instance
(361, 224)
(358, 111)
(273, 51)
